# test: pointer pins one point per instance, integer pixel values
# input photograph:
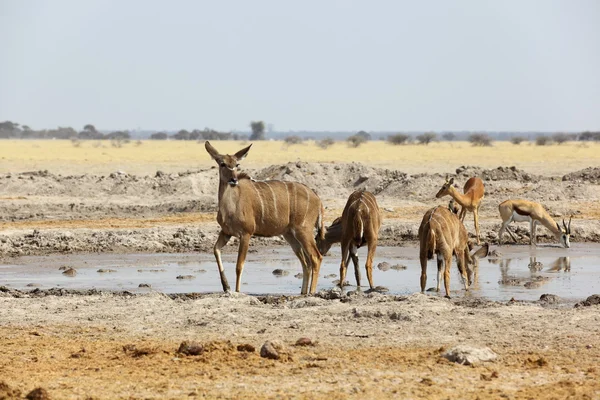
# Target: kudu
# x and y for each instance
(266, 208)
(441, 233)
(474, 192)
(534, 213)
(358, 225)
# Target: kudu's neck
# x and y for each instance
(334, 233)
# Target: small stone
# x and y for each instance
(549, 298)
(299, 275)
(468, 355)
(268, 351)
(186, 277)
(399, 267)
(246, 347)
(384, 266)
(190, 348)
(103, 270)
(38, 394)
(304, 341)
(70, 272)
(280, 272)
(145, 285)
(33, 285)
(330, 276)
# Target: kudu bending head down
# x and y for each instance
(266, 208)
(442, 234)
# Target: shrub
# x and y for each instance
(356, 140)
(480, 139)
(290, 140)
(426, 138)
(399, 138)
(159, 136)
(325, 143)
(449, 136)
(517, 140)
(560, 138)
(543, 140)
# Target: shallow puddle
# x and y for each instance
(519, 272)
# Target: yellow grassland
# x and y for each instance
(62, 156)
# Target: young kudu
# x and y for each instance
(266, 208)
(470, 201)
(358, 225)
(441, 233)
(534, 213)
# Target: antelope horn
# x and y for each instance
(565, 225)
(569, 227)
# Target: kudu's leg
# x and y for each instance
(307, 241)
(372, 246)
(462, 267)
(440, 271)
(344, 262)
(423, 259)
(221, 241)
(297, 248)
(239, 266)
(447, 264)
(354, 255)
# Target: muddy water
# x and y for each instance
(519, 272)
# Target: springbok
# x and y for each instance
(534, 213)
(358, 225)
(470, 201)
(266, 208)
(441, 233)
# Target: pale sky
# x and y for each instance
(302, 65)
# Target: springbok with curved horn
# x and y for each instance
(266, 208)
(529, 211)
(358, 225)
(441, 233)
(474, 192)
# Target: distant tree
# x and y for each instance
(480, 139)
(543, 140)
(89, 132)
(159, 136)
(517, 140)
(356, 140)
(325, 143)
(365, 135)
(119, 135)
(449, 136)
(182, 135)
(399, 138)
(9, 129)
(63, 133)
(426, 138)
(290, 140)
(586, 136)
(561, 138)
(89, 128)
(258, 130)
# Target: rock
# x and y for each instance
(280, 272)
(38, 394)
(304, 341)
(384, 266)
(103, 271)
(389, 209)
(33, 285)
(398, 267)
(549, 298)
(299, 275)
(592, 300)
(246, 347)
(337, 282)
(330, 276)
(468, 355)
(268, 351)
(190, 348)
(186, 277)
(70, 272)
(144, 285)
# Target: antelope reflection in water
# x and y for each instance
(535, 279)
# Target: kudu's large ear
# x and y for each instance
(482, 252)
(212, 151)
(240, 155)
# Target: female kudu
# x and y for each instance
(266, 208)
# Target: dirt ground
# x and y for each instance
(118, 345)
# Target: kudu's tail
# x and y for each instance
(320, 224)
(358, 229)
(430, 243)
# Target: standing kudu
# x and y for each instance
(358, 225)
(441, 233)
(266, 208)
(470, 201)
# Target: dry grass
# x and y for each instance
(61, 156)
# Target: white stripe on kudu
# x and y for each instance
(274, 198)
(262, 204)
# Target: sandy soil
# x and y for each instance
(117, 345)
